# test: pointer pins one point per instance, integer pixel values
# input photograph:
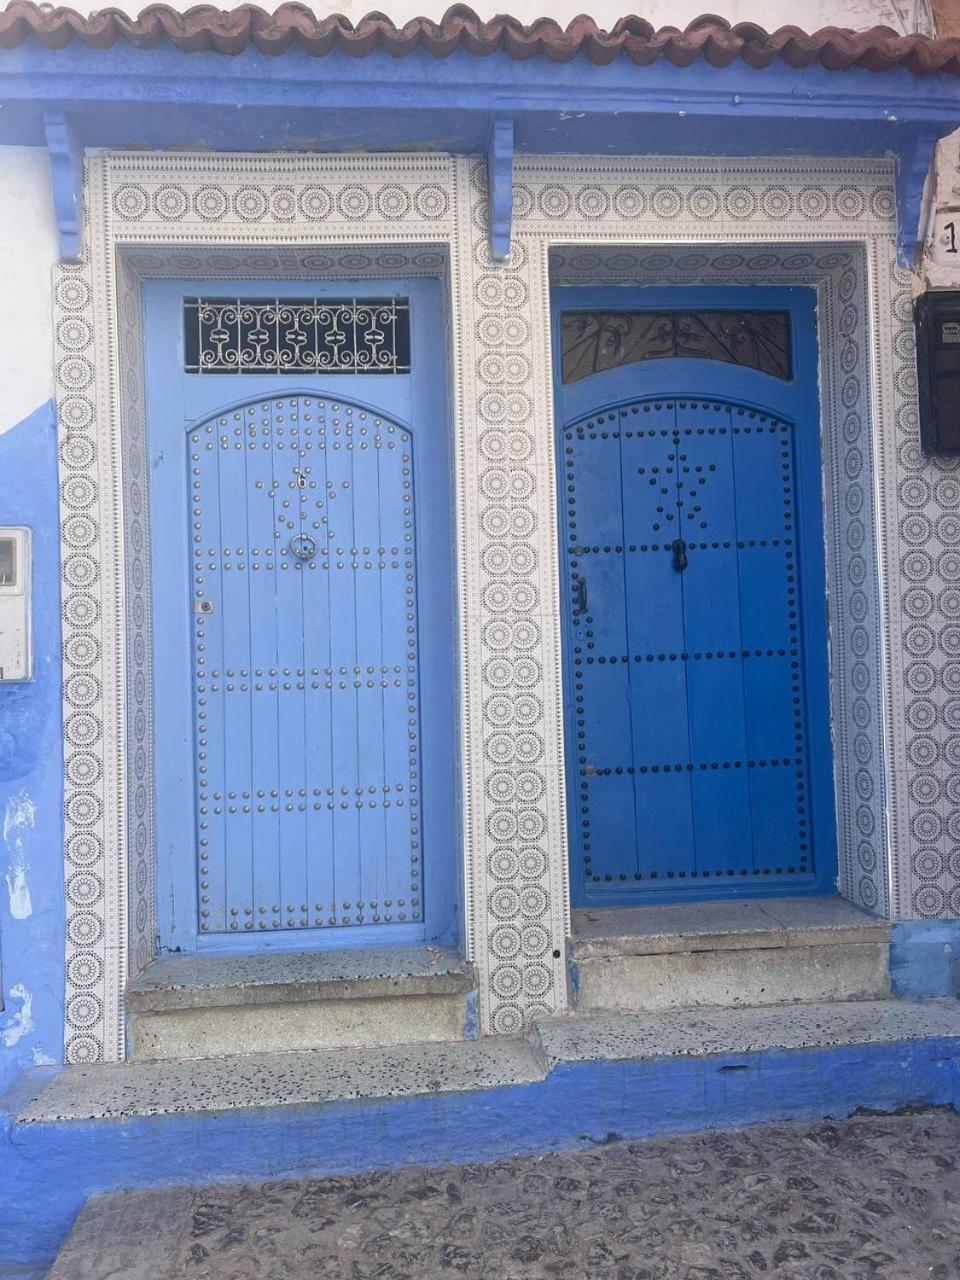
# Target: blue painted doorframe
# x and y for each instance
(305, 714)
(696, 682)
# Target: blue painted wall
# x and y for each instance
(925, 958)
(48, 1170)
(31, 772)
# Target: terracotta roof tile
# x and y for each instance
(709, 38)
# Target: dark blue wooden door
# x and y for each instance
(303, 621)
(695, 632)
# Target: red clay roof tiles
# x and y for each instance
(708, 38)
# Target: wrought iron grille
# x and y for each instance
(296, 335)
(594, 341)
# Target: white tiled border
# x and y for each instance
(273, 212)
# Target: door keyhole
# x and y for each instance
(679, 550)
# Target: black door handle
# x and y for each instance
(679, 550)
(579, 595)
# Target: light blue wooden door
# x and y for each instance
(695, 621)
(313, 698)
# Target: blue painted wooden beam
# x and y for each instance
(66, 161)
(163, 98)
(500, 185)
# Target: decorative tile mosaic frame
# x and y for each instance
(809, 221)
(920, 503)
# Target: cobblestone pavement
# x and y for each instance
(856, 1200)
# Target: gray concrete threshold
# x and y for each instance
(209, 981)
(720, 926)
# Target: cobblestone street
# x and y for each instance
(864, 1198)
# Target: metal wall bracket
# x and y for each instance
(500, 186)
(66, 160)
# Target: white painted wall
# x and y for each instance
(28, 250)
(941, 255)
(809, 14)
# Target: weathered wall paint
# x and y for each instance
(31, 772)
(20, 1023)
(940, 267)
(47, 1171)
(946, 17)
(925, 958)
(28, 250)
(937, 267)
(18, 822)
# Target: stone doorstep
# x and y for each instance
(288, 1025)
(208, 1006)
(754, 952)
(130, 1090)
(725, 979)
(242, 1082)
(203, 981)
(733, 925)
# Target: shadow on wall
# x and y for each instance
(31, 772)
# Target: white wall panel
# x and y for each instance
(28, 251)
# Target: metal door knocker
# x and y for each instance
(303, 546)
(679, 550)
(579, 595)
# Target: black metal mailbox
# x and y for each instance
(937, 316)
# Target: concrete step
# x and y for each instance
(707, 1033)
(200, 1006)
(734, 953)
(261, 1081)
(258, 1082)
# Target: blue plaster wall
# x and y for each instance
(31, 770)
(925, 958)
(48, 1170)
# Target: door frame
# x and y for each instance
(797, 398)
(176, 881)
(799, 220)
